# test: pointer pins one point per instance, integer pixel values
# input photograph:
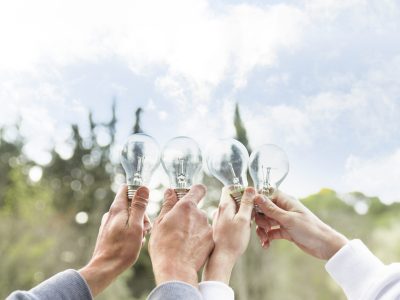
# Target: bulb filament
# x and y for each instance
(236, 181)
(267, 187)
(137, 177)
(181, 174)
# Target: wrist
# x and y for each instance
(219, 267)
(173, 272)
(334, 241)
(97, 276)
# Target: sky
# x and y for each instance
(319, 78)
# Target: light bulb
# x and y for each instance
(269, 166)
(227, 160)
(181, 159)
(140, 157)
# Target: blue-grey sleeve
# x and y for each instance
(175, 290)
(67, 285)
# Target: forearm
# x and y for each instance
(333, 241)
(219, 268)
(98, 276)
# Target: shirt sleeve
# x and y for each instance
(216, 290)
(175, 290)
(362, 275)
(67, 285)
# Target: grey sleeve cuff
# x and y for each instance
(175, 290)
(67, 285)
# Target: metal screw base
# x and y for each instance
(180, 193)
(131, 192)
(236, 195)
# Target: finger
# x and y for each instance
(121, 199)
(263, 221)
(271, 210)
(285, 201)
(262, 235)
(279, 234)
(170, 200)
(103, 221)
(139, 204)
(215, 216)
(266, 244)
(146, 224)
(227, 206)
(196, 193)
(247, 204)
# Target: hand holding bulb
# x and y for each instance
(268, 167)
(227, 161)
(140, 157)
(181, 159)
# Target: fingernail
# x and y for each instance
(143, 192)
(168, 192)
(250, 191)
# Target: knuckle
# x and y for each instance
(140, 199)
(270, 206)
(223, 206)
(288, 220)
(136, 228)
(167, 205)
(187, 205)
(141, 205)
(247, 201)
(241, 219)
(203, 214)
(112, 211)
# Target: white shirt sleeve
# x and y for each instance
(362, 275)
(216, 290)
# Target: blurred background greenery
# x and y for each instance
(50, 214)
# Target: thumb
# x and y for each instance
(139, 204)
(247, 203)
(271, 210)
(170, 199)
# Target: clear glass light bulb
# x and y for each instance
(140, 157)
(227, 160)
(182, 160)
(269, 166)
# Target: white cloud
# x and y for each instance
(374, 176)
(370, 108)
(199, 47)
(279, 124)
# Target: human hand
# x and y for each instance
(231, 233)
(181, 239)
(120, 238)
(296, 224)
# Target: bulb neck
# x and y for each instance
(181, 192)
(236, 194)
(266, 191)
(132, 188)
